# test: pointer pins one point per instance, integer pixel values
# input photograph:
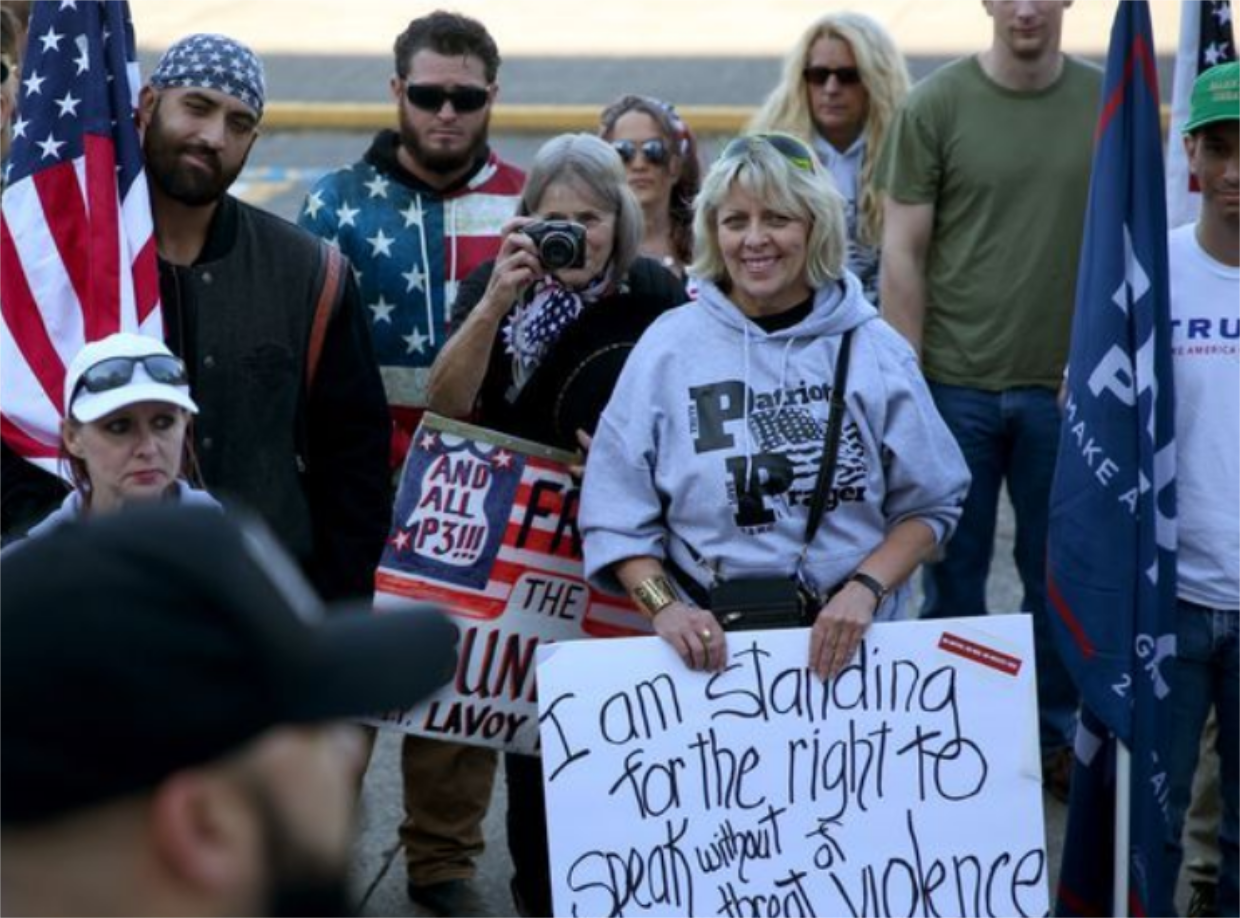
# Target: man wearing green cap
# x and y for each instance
(1204, 259)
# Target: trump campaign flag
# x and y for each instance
(1206, 39)
(77, 252)
(1111, 552)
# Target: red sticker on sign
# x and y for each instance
(987, 656)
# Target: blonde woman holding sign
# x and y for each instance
(739, 489)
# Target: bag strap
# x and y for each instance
(329, 296)
(831, 451)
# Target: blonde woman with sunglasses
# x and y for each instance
(842, 84)
(703, 479)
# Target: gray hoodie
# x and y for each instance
(709, 401)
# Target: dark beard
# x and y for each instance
(442, 162)
(193, 188)
(290, 898)
(298, 883)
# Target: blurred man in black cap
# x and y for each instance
(171, 699)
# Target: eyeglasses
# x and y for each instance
(118, 371)
(793, 149)
(818, 76)
(464, 99)
(655, 151)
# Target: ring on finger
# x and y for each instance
(707, 635)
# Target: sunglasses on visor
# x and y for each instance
(464, 99)
(818, 76)
(118, 371)
(654, 151)
(793, 149)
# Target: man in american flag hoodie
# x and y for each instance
(415, 215)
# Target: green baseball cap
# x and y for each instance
(1216, 97)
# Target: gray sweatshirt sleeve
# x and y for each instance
(927, 478)
(621, 512)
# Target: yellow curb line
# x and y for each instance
(510, 119)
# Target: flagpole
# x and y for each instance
(1123, 833)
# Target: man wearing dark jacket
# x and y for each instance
(293, 420)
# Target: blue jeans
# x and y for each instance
(1205, 672)
(1012, 435)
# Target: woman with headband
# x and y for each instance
(661, 165)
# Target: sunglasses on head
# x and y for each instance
(818, 76)
(118, 371)
(654, 151)
(464, 99)
(793, 149)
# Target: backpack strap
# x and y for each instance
(331, 292)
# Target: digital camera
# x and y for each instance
(561, 243)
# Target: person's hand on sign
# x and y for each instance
(839, 628)
(694, 634)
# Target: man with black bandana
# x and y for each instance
(421, 209)
(293, 422)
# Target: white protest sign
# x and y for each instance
(908, 785)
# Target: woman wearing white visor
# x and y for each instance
(124, 437)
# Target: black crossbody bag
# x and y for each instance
(753, 603)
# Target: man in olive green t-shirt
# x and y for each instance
(986, 173)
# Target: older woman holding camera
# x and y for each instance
(539, 334)
(704, 472)
(539, 337)
(842, 84)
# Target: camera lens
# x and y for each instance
(557, 250)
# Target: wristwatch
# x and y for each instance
(873, 584)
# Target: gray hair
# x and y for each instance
(599, 172)
(763, 172)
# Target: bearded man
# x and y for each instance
(423, 207)
(293, 421)
(220, 774)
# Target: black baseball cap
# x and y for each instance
(155, 639)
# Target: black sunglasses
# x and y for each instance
(464, 99)
(4, 71)
(655, 151)
(793, 149)
(818, 76)
(118, 371)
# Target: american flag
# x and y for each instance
(77, 251)
(1206, 39)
